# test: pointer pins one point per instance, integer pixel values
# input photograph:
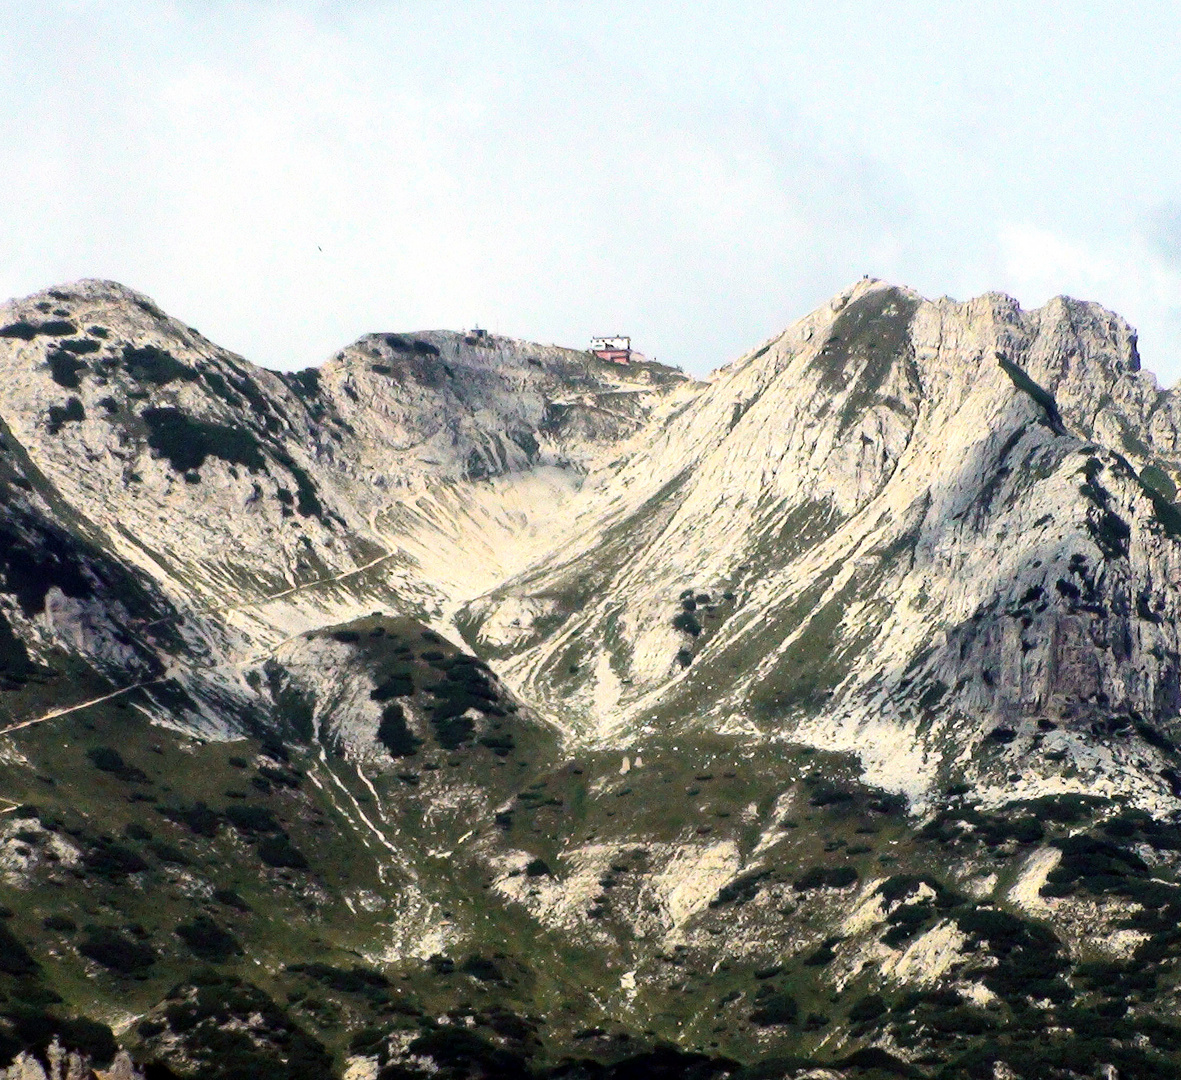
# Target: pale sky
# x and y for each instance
(287, 176)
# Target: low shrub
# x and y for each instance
(61, 923)
(168, 853)
(15, 959)
(60, 415)
(116, 951)
(478, 967)
(112, 861)
(198, 819)
(823, 877)
(869, 1007)
(148, 363)
(26, 331)
(231, 899)
(208, 941)
(187, 442)
(394, 733)
(824, 955)
(252, 819)
(741, 890)
(279, 852)
(400, 684)
(107, 759)
(356, 980)
(80, 346)
(64, 368)
(226, 1029)
(775, 1008)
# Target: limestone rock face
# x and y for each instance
(66, 1065)
(940, 535)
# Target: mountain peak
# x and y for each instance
(386, 708)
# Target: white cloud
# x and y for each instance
(694, 179)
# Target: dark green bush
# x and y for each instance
(199, 818)
(400, 684)
(869, 1007)
(479, 967)
(279, 852)
(501, 745)
(230, 1030)
(906, 921)
(307, 503)
(451, 732)
(26, 331)
(61, 923)
(460, 1053)
(15, 959)
(168, 853)
(357, 980)
(155, 365)
(775, 1008)
(208, 941)
(822, 956)
(80, 346)
(60, 415)
(34, 1029)
(741, 890)
(107, 759)
(1096, 865)
(230, 899)
(306, 383)
(823, 877)
(116, 951)
(112, 861)
(64, 368)
(187, 442)
(394, 733)
(252, 819)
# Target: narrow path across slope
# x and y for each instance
(55, 713)
(331, 579)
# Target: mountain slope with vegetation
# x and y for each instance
(479, 708)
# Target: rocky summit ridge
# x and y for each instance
(889, 602)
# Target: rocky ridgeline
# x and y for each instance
(939, 535)
(824, 707)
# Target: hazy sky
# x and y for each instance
(288, 176)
